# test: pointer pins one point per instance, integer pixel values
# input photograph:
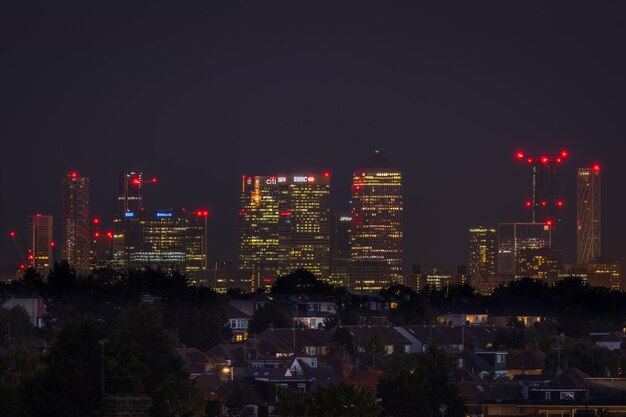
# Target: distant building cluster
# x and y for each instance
(286, 223)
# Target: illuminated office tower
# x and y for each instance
(588, 215)
(482, 251)
(167, 239)
(40, 243)
(304, 223)
(376, 223)
(258, 228)
(516, 239)
(284, 225)
(604, 273)
(77, 240)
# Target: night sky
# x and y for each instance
(198, 94)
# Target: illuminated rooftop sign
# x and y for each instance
(163, 214)
(129, 214)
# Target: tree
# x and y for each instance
(343, 400)
(585, 355)
(343, 338)
(291, 404)
(301, 281)
(244, 393)
(70, 383)
(375, 346)
(269, 314)
(420, 386)
(140, 351)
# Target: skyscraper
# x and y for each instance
(166, 238)
(588, 214)
(482, 251)
(40, 243)
(284, 225)
(515, 239)
(77, 241)
(377, 221)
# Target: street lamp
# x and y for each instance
(228, 370)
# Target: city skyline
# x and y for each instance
(218, 96)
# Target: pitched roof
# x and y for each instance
(389, 335)
(528, 359)
(234, 313)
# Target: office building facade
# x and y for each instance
(482, 251)
(285, 225)
(166, 239)
(377, 210)
(40, 243)
(513, 238)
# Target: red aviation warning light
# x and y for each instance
(73, 174)
(519, 155)
(110, 235)
(12, 234)
(543, 203)
(326, 174)
(52, 244)
(153, 180)
(135, 181)
(559, 203)
(596, 167)
(528, 203)
(544, 160)
(549, 223)
(96, 235)
(202, 213)
(96, 220)
(564, 154)
(22, 266)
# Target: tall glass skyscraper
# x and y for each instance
(482, 251)
(77, 239)
(516, 241)
(588, 214)
(284, 225)
(377, 233)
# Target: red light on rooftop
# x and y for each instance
(12, 234)
(559, 203)
(110, 235)
(96, 220)
(135, 181)
(22, 266)
(529, 203)
(530, 160)
(559, 160)
(96, 234)
(596, 167)
(564, 154)
(73, 174)
(202, 213)
(326, 174)
(52, 244)
(544, 160)
(549, 223)
(38, 214)
(153, 180)
(543, 204)
(519, 155)
(31, 257)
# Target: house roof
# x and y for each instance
(234, 313)
(303, 338)
(528, 359)
(454, 335)
(195, 362)
(389, 335)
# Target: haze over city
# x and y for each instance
(201, 94)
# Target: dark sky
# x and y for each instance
(199, 93)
